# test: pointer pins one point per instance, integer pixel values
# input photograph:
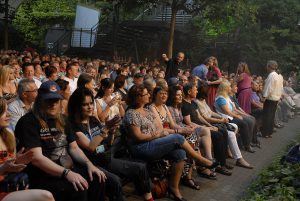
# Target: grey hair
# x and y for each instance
(272, 65)
(24, 85)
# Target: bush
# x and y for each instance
(280, 181)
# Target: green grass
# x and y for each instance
(280, 182)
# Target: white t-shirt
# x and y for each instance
(72, 83)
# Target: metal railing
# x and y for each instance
(80, 37)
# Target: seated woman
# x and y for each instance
(86, 80)
(148, 141)
(215, 118)
(192, 116)
(8, 88)
(256, 104)
(92, 137)
(65, 92)
(108, 104)
(10, 162)
(197, 135)
(226, 108)
(120, 82)
(57, 159)
(250, 120)
(291, 92)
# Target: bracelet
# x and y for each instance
(65, 173)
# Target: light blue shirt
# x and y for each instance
(16, 110)
(200, 71)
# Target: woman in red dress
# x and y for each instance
(214, 78)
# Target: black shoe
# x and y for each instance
(223, 170)
(174, 196)
(212, 175)
(214, 165)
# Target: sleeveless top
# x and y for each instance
(165, 120)
(113, 110)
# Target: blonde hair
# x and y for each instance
(4, 74)
(222, 89)
(7, 137)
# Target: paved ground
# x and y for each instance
(233, 188)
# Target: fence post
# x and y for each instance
(80, 37)
(91, 37)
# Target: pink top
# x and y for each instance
(245, 83)
(216, 71)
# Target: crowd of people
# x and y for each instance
(79, 127)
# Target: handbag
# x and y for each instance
(225, 126)
(14, 182)
(293, 155)
(159, 187)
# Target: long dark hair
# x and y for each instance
(75, 102)
(106, 83)
(172, 96)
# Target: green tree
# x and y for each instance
(33, 18)
(259, 30)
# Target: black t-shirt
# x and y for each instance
(90, 132)
(190, 109)
(54, 144)
(172, 68)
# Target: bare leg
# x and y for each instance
(176, 172)
(195, 155)
(29, 195)
(206, 142)
(147, 196)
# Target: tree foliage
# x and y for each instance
(253, 31)
(33, 18)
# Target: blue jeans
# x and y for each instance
(166, 147)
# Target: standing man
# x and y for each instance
(272, 92)
(173, 65)
(202, 70)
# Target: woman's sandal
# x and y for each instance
(212, 175)
(190, 183)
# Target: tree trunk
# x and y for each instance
(6, 26)
(115, 28)
(172, 30)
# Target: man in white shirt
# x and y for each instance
(28, 72)
(27, 92)
(272, 92)
(72, 72)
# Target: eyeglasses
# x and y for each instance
(35, 90)
(142, 95)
